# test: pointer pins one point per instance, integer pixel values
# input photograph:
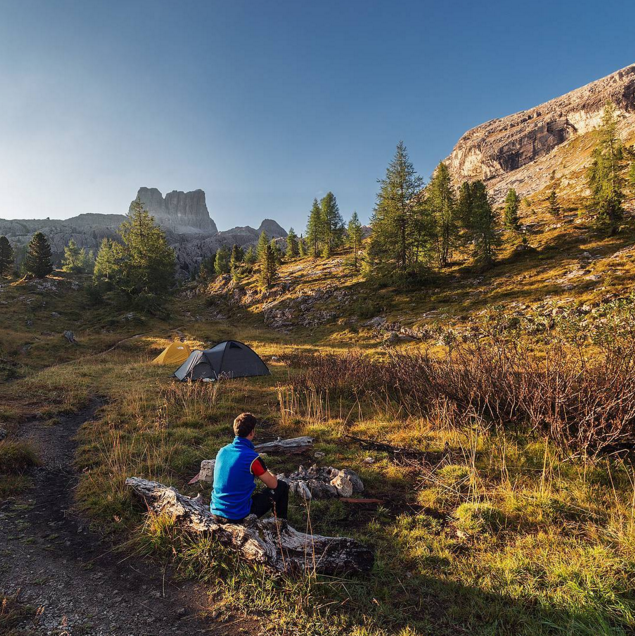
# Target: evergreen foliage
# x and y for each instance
(7, 257)
(76, 260)
(479, 221)
(314, 230)
(354, 237)
(268, 268)
(510, 212)
(400, 225)
(251, 257)
(605, 175)
(141, 267)
(553, 203)
(261, 248)
(441, 200)
(207, 271)
(236, 258)
(277, 252)
(301, 247)
(293, 249)
(222, 261)
(332, 224)
(38, 261)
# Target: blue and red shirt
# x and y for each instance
(236, 466)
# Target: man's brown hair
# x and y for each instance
(244, 424)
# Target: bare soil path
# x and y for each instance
(81, 585)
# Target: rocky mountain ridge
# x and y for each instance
(183, 215)
(524, 150)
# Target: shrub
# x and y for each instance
(15, 457)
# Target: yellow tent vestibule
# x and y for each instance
(176, 353)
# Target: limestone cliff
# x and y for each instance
(525, 149)
(182, 212)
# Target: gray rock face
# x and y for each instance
(272, 229)
(522, 150)
(183, 212)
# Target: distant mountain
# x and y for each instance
(529, 149)
(183, 215)
(182, 212)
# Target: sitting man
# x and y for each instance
(237, 464)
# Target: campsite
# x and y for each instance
(317, 319)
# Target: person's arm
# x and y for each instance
(259, 469)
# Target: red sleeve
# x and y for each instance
(258, 467)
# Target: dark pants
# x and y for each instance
(276, 500)
(264, 501)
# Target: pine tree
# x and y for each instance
(107, 263)
(222, 262)
(292, 250)
(553, 203)
(268, 268)
(605, 175)
(354, 237)
(301, 247)
(236, 258)
(7, 257)
(141, 267)
(263, 241)
(277, 252)
(332, 229)
(399, 224)
(314, 231)
(75, 259)
(206, 271)
(482, 225)
(250, 256)
(440, 199)
(510, 214)
(38, 261)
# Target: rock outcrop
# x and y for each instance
(182, 212)
(523, 150)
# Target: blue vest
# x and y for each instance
(234, 482)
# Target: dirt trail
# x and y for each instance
(81, 584)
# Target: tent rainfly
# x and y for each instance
(229, 359)
(176, 353)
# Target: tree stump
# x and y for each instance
(277, 546)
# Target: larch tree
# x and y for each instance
(250, 256)
(38, 260)
(301, 247)
(511, 219)
(268, 268)
(553, 204)
(314, 230)
(292, 250)
(263, 241)
(7, 257)
(222, 262)
(483, 225)
(332, 224)
(398, 224)
(605, 174)
(441, 202)
(354, 238)
(75, 260)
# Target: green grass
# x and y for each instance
(492, 533)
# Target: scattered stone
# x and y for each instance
(369, 460)
(3, 434)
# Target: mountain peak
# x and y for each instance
(524, 150)
(184, 212)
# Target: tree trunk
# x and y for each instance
(290, 446)
(260, 541)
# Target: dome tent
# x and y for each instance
(229, 359)
(176, 353)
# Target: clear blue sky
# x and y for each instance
(266, 104)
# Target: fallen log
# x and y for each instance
(277, 546)
(288, 446)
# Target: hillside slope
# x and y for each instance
(527, 149)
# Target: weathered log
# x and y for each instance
(277, 546)
(287, 446)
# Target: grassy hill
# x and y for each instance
(497, 518)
